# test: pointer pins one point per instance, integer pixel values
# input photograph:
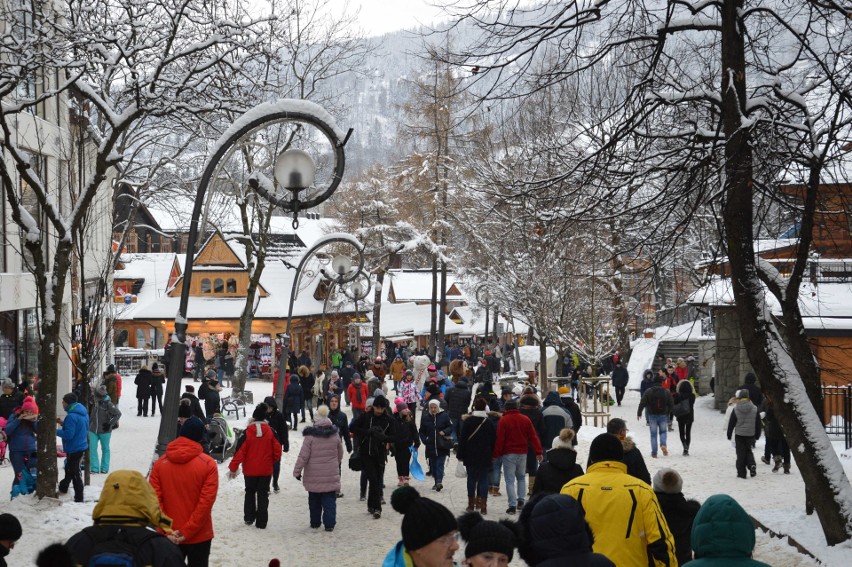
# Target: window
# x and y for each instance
(231, 286)
(131, 243)
(219, 286)
(205, 286)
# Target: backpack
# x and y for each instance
(657, 403)
(116, 548)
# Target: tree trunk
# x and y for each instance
(442, 312)
(246, 320)
(542, 366)
(377, 305)
(782, 377)
(51, 292)
(433, 326)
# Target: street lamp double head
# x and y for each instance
(295, 173)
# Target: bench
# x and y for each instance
(233, 406)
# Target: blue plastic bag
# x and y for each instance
(25, 484)
(414, 468)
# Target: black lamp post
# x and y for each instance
(352, 291)
(294, 171)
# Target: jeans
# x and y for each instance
(323, 507)
(477, 481)
(256, 505)
(99, 465)
(436, 463)
(196, 554)
(73, 475)
(515, 470)
(308, 403)
(494, 475)
(658, 422)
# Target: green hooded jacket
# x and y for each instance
(723, 535)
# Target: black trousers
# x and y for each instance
(256, 506)
(73, 475)
(619, 394)
(684, 429)
(156, 400)
(142, 406)
(196, 554)
(745, 458)
(403, 458)
(375, 473)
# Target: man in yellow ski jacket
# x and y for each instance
(623, 511)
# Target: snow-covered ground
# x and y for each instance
(777, 500)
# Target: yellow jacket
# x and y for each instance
(624, 515)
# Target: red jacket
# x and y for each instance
(682, 373)
(186, 482)
(515, 433)
(257, 454)
(353, 396)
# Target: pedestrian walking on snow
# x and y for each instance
(74, 432)
(102, 421)
(318, 467)
(744, 426)
(684, 411)
(144, 382)
(436, 433)
(659, 403)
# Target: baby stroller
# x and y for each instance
(219, 438)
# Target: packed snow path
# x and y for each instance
(777, 500)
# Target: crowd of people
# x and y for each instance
(610, 512)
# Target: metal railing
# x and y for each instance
(838, 412)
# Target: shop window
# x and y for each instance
(231, 286)
(219, 286)
(205, 286)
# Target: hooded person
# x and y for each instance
(74, 432)
(723, 535)
(744, 425)
(10, 532)
(318, 467)
(102, 421)
(560, 465)
(257, 455)
(436, 433)
(126, 508)
(552, 532)
(486, 542)
(429, 532)
(278, 423)
(186, 481)
(679, 512)
(555, 418)
(373, 431)
(632, 455)
(623, 512)
(194, 402)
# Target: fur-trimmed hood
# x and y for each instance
(321, 428)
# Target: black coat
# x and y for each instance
(476, 452)
(157, 550)
(372, 434)
(339, 419)
(679, 513)
(212, 401)
(561, 466)
(430, 426)
(307, 384)
(458, 400)
(620, 377)
(346, 375)
(294, 398)
(678, 397)
(405, 435)
(634, 461)
(279, 426)
(9, 403)
(576, 414)
(157, 381)
(144, 382)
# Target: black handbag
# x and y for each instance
(445, 443)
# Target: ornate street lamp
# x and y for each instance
(357, 291)
(483, 298)
(355, 287)
(294, 191)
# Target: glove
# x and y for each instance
(299, 478)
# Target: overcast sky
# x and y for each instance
(382, 16)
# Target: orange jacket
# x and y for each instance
(186, 482)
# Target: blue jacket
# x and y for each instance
(75, 429)
(21, 434)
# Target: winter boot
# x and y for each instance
(787, 469)
(665, 450)
(401, 481)
(405, 480)
(471, 504)
(765, 459)
(777, 466)
(482, 504)
(686, 450)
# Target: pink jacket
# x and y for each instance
(320, 457)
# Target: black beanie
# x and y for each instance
(259, 413)
(423, 520)
(69, 398)
(10, 527)
(484, 536)
(192, 429)
(606, 447)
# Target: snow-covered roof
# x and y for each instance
(410, 319)
(824, 306)
(415, 285)
(473, 322)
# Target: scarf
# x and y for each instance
(258, 432)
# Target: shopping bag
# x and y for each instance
(461, 472)
(414, 468)
(25, 483)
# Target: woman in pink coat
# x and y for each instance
(319, 463)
